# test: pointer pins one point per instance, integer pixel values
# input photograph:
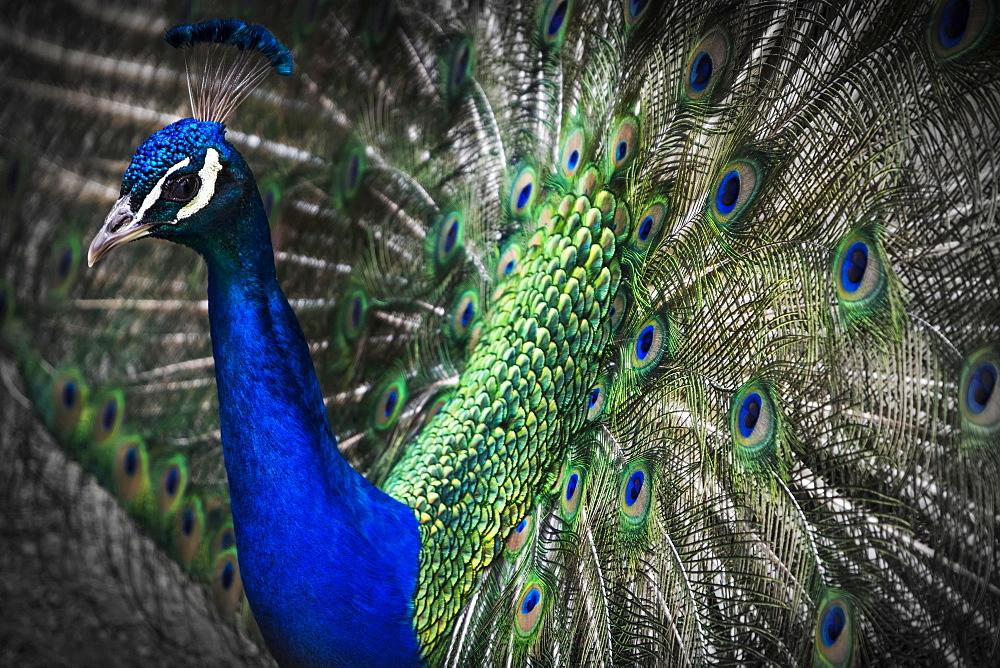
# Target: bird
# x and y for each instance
(549, 331)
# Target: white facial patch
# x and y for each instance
(154, 194)
(208, 174)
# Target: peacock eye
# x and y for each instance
(182, 189)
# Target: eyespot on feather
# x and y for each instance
(389, 403)
(835, 623)
(530, 606)
(706, 65)
(754, 426)
(624, 145)
(523, 192)
(635, 494)
(734, 191)
(519, 536)
(227, 585)
(979, 397)
(959, 27)
(571, 155)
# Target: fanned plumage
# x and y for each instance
(676, 325)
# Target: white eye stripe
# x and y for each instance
(208, 174)
(154, 194)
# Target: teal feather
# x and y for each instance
(749, 413)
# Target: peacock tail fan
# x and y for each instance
(737, 264)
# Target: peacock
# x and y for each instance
(561, 332)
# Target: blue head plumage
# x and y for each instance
(166, 148)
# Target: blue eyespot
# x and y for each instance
(571, 486)
(352, 174)
(461, 64)
(954, 23)
(556, 22)
(754, 427)
(635, 496)
(855, 264)
(390, 404)
(834, 622)
(573, 160)
(749, 414)
(981, 386)
(734, 191)
(633, 490)
(858, 274)
(701, 71)
(530, 601)
(979, 398)
(529, 609)
(65, 263)
(518, 537)
(451, 237)
(69, 394)
(573, 481)
(508, 261)
(228, 575)
(834, 639)
(625, 142)
(649, 345)
(644, 343)
(172, 482)
(645, 227)
(448, 238)
(110, 412)
(637, 7)
(354, 320)
(728, 193)
(187, 522)
(571, 152)
(552, 27)
(959, 25)
(650, 224)
(130, 463)
(596, 399)
(595, 394)
(705, 65)
(356, 307)
(522, 192)
(524, 196)
(465, 313)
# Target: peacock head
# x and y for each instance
(184, 182)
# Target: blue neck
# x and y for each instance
(328, 561)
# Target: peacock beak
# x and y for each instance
(119, 228)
